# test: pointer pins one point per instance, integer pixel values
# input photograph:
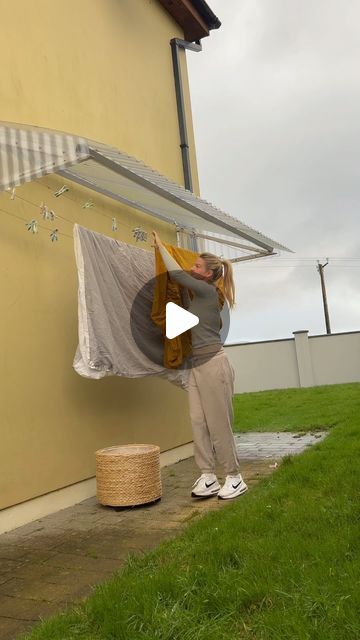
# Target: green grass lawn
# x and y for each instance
(280, 562)
(311, 408)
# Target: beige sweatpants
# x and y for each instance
(211, 389)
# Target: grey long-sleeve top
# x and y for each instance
(205, 302)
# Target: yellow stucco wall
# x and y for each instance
(102, 70)
(98, 68)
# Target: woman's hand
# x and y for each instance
(157, 240)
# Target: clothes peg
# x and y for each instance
(12, 189)
(44, 211)
(88, 205)
(139, 234)
(61, 191)
(32, 226)
(114, 224)
(53, 235)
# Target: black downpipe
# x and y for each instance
(177, 43)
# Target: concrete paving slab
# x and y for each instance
(252, 445)
(9, 627)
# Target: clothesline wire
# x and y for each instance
(67, 197)
(251, 266)
(56, 214)
(267, 266)
(39, 225)
(62, 217)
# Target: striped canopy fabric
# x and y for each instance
(28, 153)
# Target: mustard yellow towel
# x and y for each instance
(175, 349)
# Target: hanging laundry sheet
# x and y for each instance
(111, 275)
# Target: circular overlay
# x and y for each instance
(149, 336)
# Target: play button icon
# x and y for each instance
(153, 331)
(178, 320)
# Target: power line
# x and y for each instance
(314, 258)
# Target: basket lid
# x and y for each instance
(128, 449)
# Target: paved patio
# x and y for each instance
(48, 564)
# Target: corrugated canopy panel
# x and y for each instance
(28, 152)
(114, 172)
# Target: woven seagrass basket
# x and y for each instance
(128, 475)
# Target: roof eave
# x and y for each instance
(194, 16)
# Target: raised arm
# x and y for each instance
(198, 286)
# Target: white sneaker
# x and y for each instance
(234, 486)
(205, 486)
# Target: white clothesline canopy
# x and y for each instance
(29, 152)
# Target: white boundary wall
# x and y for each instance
(301, 361)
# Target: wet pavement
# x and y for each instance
(52, 562)
(254, 445)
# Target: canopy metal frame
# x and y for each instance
(29, 152)
(191, 204)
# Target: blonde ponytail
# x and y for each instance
(214, 264)
(229, 285)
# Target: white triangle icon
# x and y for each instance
(178, 320)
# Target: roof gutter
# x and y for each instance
(207, 14)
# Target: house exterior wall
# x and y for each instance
(102, 70)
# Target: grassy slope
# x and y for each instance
(279, 563)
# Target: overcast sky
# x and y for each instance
(276, 106)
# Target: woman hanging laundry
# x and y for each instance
(211, 377)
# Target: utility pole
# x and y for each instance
(320, 269)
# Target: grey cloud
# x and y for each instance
(276, 97)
